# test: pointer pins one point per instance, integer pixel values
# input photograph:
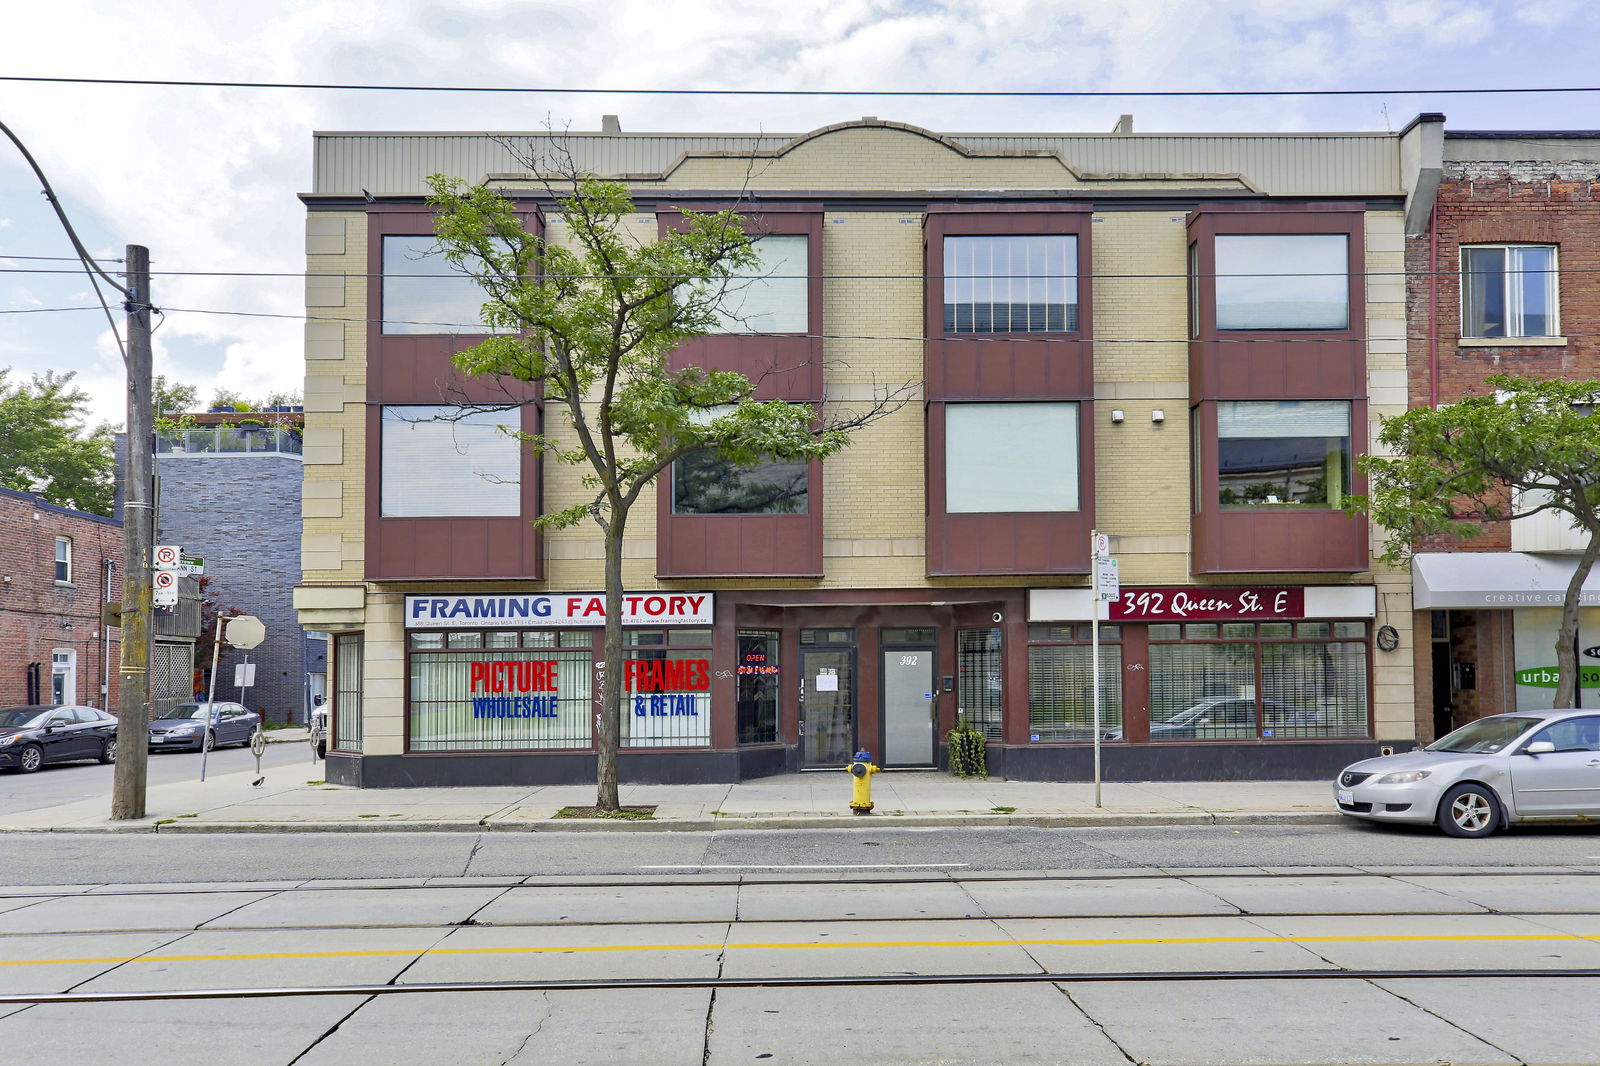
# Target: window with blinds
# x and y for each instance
(1283, 281)
(442, 462)
(347, 652)
(1010, 457)
(1011, 284)
(774, 295)
(1061, 683)
(666, 688)
(1283, 453)
(462, 699)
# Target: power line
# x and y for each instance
(1001, 94)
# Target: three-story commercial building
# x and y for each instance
(1180, 340)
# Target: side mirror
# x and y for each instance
(1539, 747)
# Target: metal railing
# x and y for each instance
(230, 440)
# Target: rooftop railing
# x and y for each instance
(230, 440)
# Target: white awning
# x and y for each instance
(1496, 579)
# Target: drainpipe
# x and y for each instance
(1433, 305)
(105, 640)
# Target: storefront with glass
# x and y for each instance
(1196, 682)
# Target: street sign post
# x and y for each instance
(164, 588)
(245, 631)
(1106, 586)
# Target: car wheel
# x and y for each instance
(209, 741)
(1469, 811)
(108, 750)
(30, 758)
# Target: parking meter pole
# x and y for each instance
(1094, 655)
(211, 696)
(242, 676)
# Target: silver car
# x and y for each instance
(1524, 767)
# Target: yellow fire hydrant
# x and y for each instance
(861, 769)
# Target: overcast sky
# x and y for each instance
(207, 178)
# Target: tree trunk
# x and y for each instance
(610, 679)
(1567, 637)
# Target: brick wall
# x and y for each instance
(38, 615)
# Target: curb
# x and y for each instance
(714, 825)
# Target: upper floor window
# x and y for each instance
(706, 483)
(774, 295)
(1010, 457)
(1283, 281)
(1283, 453)
(64, 559)
(425, 293)
(1508, 290)
(1011, 284)
(440, 461)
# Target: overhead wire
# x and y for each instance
(1002, 94)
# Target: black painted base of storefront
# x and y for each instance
(1189, 762)
(1156, 762)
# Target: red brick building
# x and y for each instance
(57, 566)
(1503, 277)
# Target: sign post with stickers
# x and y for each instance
(1107, 585)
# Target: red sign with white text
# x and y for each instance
(1207, 604)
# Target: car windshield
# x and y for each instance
(23, 717)
(1485, 736)
(184, 710)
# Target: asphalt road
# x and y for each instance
(58, 783)
(79, 858)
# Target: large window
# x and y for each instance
(445, 462)
(1283, 281)
(706, 483)
(978, 680)
(347, 650)
(759, 678)
(1011, 284)
(1287, 453)
(773, 296)
(1009, 457)
(666, 688)
(64, 560)
(424, 293)
(1061, 683)
(502, 690)
(1508, 290)
(1249, 681)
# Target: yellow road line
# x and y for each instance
(573, 949)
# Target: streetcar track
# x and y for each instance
(624, 923)
(1154, 874)
(717, 983)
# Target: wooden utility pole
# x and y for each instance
(133, 705)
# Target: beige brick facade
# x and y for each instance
(875, 521)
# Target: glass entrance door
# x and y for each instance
(908, 706)
(827, 707)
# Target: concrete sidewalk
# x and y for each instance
(293, 800)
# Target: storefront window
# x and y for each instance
(758, 686)
(1244, 681)
(347, 691)
(1061, 683)
(978, 680)
(468, 697)
(666, 686)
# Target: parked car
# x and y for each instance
(184, 726)
(32, 736)
(1507, 768)
(319, 731)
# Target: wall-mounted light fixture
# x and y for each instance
(1158, 416)
(1116, 415)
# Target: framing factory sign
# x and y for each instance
(556, 609)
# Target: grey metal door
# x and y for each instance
(908, 707)
(827, 708)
